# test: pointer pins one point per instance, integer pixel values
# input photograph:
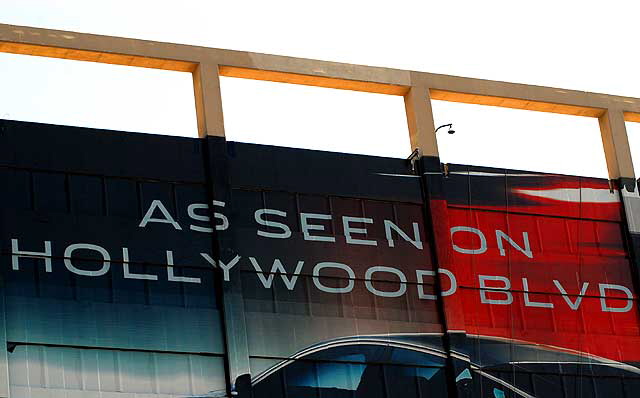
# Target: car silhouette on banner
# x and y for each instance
(413, 365)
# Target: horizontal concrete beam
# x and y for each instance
(632, 117)
(96, 48)
(97, 56)
(318, 81)
(185, 58)
(516, 103)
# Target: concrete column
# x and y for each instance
(616, 145)
(206, 86)
(620, 165)
(417, 105)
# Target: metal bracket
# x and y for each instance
(413, 158)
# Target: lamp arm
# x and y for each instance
(444, 125)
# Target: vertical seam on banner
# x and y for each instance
(428, 220)
(218, 280)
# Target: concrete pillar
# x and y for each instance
(417, 105)
(206, 86)
(616, 145)
(620, 165)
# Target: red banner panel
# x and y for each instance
(537, 259)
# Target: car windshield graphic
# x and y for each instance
(402, 368)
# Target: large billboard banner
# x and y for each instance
(148, 266)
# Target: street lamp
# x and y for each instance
(450, 131)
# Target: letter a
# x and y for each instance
(156, 204)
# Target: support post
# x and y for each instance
(230, 292)
(206, 86)
(620, 166)
(616, 144)
(417, 104)
(423, 139)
